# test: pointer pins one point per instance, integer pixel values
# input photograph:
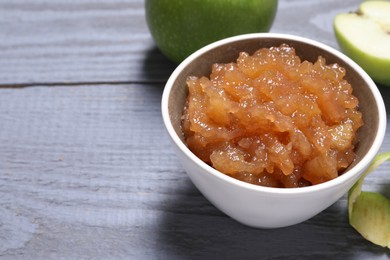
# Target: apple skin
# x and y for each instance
(377, 68)
(180, 27)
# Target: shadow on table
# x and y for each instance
(156, 67)
(385, 91)
(191, 228)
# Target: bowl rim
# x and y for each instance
(358, 168)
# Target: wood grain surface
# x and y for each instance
(86, 168)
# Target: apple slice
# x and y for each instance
(365, 37)
(369, 212)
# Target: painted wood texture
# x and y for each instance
(86, 168)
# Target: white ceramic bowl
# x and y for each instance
(263, 206)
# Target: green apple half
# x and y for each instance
(180, 27)
(365, 37)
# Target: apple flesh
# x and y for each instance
(365, 37)
(180, 27)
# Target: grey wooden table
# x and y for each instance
(86, 168)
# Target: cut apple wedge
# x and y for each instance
(369, 212)
(365, 37)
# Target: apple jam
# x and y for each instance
(272, 120)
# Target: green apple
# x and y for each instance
(180, 27)
(365, 37)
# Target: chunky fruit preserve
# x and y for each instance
(271, 119)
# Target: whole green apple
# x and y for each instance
(180, 27)
(365, 37)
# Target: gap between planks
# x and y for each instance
(75, 84)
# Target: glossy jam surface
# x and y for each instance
(271, 119)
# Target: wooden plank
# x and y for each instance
(108, 41)
(77, 41)
(88, 172)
